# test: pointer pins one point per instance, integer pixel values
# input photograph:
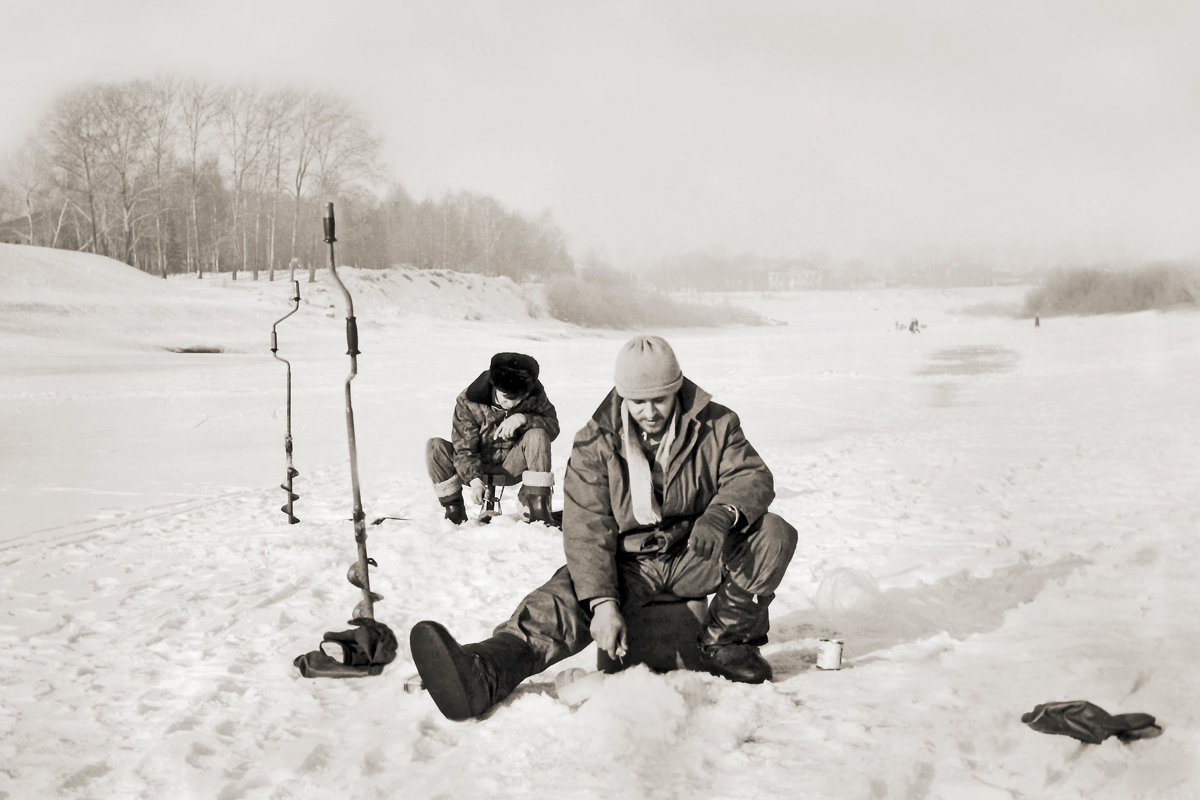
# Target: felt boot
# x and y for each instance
(734, 628)
(456, 510)
(465, 681)
(537, 504)
(535, 495)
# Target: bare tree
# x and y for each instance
(313, 114)
(207, 170)
(123, 140)
(161, 124)
(200, 107)
(310, 116)
(277, 116)
(26, 171)
(243, 136)
(346, 153)
(487, 216)
(70, 134)
(289, 121)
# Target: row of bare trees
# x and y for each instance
(175, 176)
(169, 175)
(468, 232)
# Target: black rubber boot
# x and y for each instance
(737, 662)
(537, 504)
(456, 510)
(466, 681)
(735, 627)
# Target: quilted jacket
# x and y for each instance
(710, 461)
(476, 417)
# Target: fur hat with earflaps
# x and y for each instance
(514, 373)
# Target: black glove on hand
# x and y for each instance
(710, 530)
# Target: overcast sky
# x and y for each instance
(1032, 128)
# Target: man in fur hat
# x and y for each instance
(503, 426)
(663, 493)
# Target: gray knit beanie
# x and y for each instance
(646, 368)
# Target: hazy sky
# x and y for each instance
(1031, 127)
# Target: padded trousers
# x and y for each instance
(555, 625)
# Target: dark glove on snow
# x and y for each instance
(365, 651)
(1089, 723)
(711, 529)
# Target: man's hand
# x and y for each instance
(477, 489)
(608, 630)
(709, 531)
(509, 426)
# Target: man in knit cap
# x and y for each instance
(662, 494)
(503, 425)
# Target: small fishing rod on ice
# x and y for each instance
(287, 441)
(359, 573)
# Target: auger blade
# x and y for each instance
(360, 610)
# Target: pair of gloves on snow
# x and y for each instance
(366, 649)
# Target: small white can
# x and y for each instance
(829, 654)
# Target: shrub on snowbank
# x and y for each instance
(1095, 291)
(604, 301)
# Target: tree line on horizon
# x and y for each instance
(183, 176)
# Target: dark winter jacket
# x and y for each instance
(710, 461)
(476, 417)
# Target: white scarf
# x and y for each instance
(641, 483)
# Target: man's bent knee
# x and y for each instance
(770, 549)
(778, 536)
(536, 436)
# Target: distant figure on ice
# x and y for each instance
(1037, 321)
(503, 425)
(663, 493)
(914, 326)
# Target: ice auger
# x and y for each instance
(359, 573)
(491, 500)
(287, 441)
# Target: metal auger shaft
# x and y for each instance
(366, 608)
(287, 441)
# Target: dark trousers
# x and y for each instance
(529, 454)
(555, 626)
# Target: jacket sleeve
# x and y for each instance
(589, 527)
(542, 414)
(743, 479)
(465, 435)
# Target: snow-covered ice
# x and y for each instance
(992, 516)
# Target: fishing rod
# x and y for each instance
(287, 441)
(359, 573)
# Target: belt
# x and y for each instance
(662, 538)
